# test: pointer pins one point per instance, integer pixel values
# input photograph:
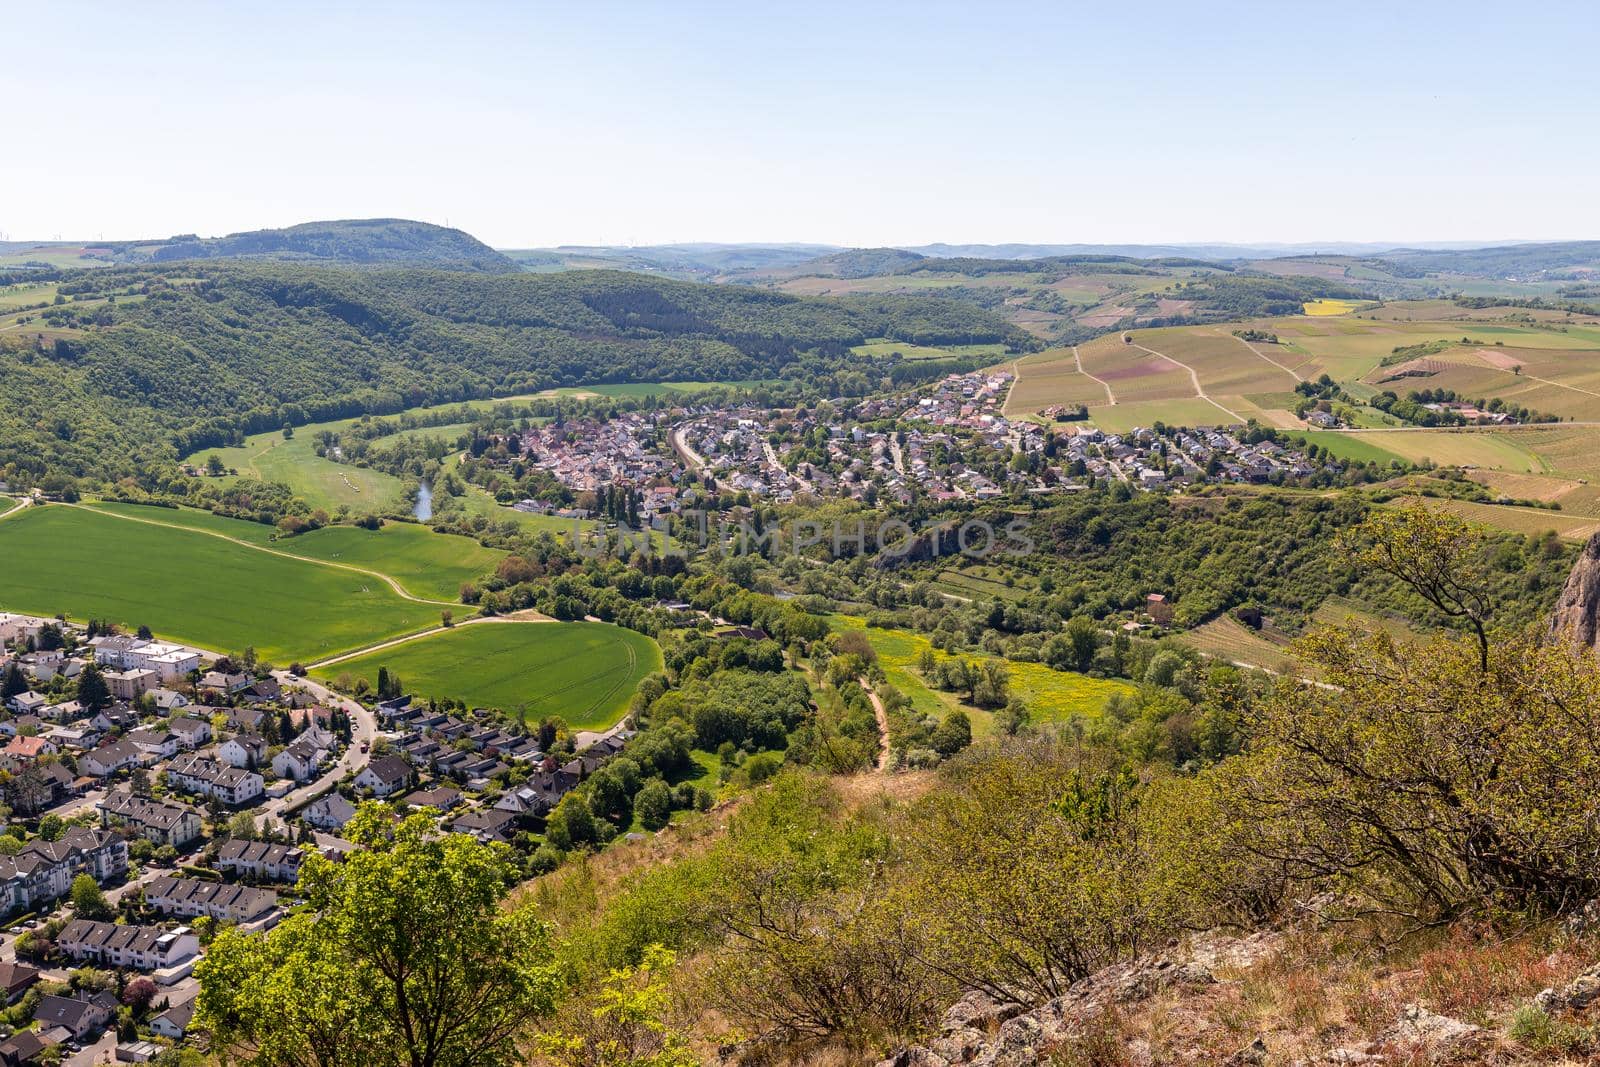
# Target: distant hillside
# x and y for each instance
(858, 263)
(689, 261)
(139, 365)
(1557, 261)
(357, 242)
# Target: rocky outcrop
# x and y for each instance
(1576, 995)
(979, 1031)
(1576, 617)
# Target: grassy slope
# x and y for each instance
(583, 672)
(193, 587)
(427, 564)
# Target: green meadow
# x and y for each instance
(426, 564)
(196, 588)
(585, 672)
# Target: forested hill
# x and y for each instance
(363, 242)
(198, 354)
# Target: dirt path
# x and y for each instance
(523, 617)
(882, 715)
(392, 583)
(1199, 392)
(1111, 398)
(1287, 370)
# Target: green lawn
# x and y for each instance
(584, 672)
(426, 564)
(193, 587)
(320, 482)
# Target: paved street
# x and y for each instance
(363, 728)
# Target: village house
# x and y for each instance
(168, 699)
(229, 785)
(30, 748)
(384, 776)
(193, 897)
(140, 948)
(158, 821)
(16, 979)
(329, 813)
(227, 684)
(439, 798)
(264, 860)
(173, 1023)
(485, 824)
(300, 759)
(245, 751)
(81, 1014)
(191, 732)
(107, 760)
(28, 702)
(157, 742)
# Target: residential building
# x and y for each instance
(19, 628)
(260, 859)
(159, 821)
(107, 760)
(229, 785)
(131, 684)
(329, 813)
(191, 897)
(245, 751)
(192, 732)
(80, 1014)
(42, 871)
(141, 948)
(156, 741)
(30, 748)
(173, 1023)
(300, 759)
(384, 775)
(170, 662)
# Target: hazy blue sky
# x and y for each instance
(853, 123)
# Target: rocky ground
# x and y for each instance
(1293, 998)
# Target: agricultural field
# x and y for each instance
(1530, 522)
(15, 296)
(1192, 412)
(585, 672)
(1051, 377)
(1327, 306)
(1452, 448)
(1227, 639)
(426, 564)
(194, 587)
